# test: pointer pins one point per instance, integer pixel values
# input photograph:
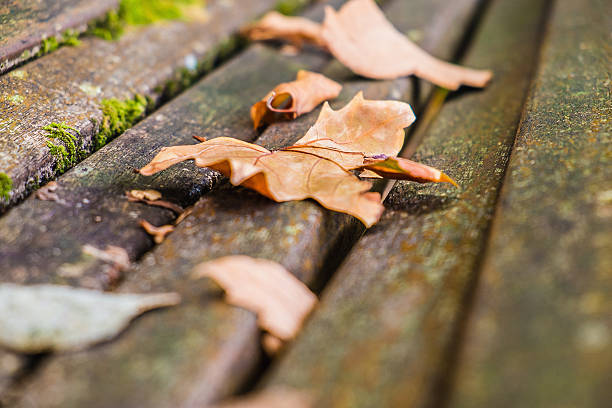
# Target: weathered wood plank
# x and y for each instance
(541, 332)
(384, 329)
(70, 84)
(204, 349)
(41, 241)
(25, 24)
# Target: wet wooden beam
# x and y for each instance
(384, 331)
(70, 84)
(541, 330)
(25, 24)
(204, 349)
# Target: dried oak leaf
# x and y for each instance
(292, 99)
(398, 168)
(42, 318)
(296, 30)
(360, 36)
(279, 299)
(317, 165)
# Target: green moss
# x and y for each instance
(290, 7)
(139, 12)
(65, 153)
(118, 116)
(69, 37)
(6, 184)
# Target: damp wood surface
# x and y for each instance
(204, 349)
(69, 85)
(386, 324)
(540, 334)
(25, 24)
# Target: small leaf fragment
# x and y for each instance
(292, 99)
(276, 397)
(398, 168)
(114, 255)
(295, 30)
(360, 36)
(150, 195)
(43, 318)
(142, 198)
(279, 299)
(47, 192)
(158, 233)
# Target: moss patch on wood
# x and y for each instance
(66, 152)
(139, 12)
(6, 184)
(118, 116)
(50, 44)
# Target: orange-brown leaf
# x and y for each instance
(292, 99)
(279, 299)
(360, 36)
(398, 168)
(280, 175)
(317, 165)
(362, 128)
(296, 30)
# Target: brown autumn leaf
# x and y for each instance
(296, 30)
(282, 175)
(279, 299)
(362, 128)
(360, 36)
(158, 233)
(292, 99)
(398, 168)
(317, 165)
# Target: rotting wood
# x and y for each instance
(386, 324)
(70, 84)
(24, 25)
(205, 349)
(540, 333)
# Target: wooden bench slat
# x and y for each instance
(206, 349)
(41, 241)
(24, 24)
(69, 85)
(383, 333)
(541, 329)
